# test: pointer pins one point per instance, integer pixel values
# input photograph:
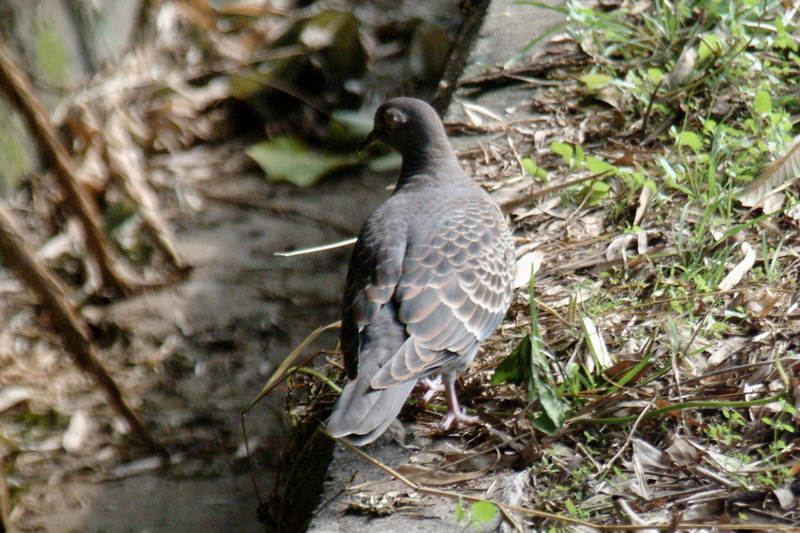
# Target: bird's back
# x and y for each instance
(429, 278)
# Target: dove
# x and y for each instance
(430, 277)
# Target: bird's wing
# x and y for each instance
(375, 269)
(454, 289)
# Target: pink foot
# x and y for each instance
(433, 385)
(459, 417)
(454, 412)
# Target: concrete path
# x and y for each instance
(355, 483)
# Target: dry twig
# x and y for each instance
(504, 507)
(73, 331)
(18, 88)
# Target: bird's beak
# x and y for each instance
(368, 141)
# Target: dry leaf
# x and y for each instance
(526, 267)
(79, 429)
(475, 111)
(11, 396)
(775, 178)
(786, 498)
(737, 273)
(683, 453)
(127, 160)
(648, 455)
(618, 247)
(773, 203)
(682, 69)
(644, 201)
(597, 346)
(432, 477)
(727, 347)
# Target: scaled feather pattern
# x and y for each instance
(430, 277)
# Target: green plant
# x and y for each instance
(479, 513)
(528, 366)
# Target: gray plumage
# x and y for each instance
(429, 278)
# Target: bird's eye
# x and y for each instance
(394, 118)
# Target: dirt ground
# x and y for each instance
(190, 354)
(217, 336)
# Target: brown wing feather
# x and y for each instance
(371, 280)
(453, 291)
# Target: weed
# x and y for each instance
(480, 513)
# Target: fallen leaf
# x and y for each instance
(682, 69)
(527, 266)
(11, 396)
(775, 178)
(287, 158)
(618, 247)
(79, 429)
(429, 476)
(737, 273)
(597, 346)
(644, 201)
(126, 159)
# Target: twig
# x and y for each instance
(544, 191)
(281, 372)
(624, 447)
(649, 108)
(73, 331)
(679, 407)
(511, 520)
(18, 88)
(277, 377)
(126, 160)
(550, 516)
(473, 13)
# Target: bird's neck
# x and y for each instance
(433, 158)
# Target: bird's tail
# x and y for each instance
(362, 414)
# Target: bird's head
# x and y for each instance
(406, 124)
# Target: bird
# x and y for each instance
(429, 278)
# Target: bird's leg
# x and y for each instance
(454, 411)
(433, 385)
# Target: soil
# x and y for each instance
(190, 355)
(215, 337)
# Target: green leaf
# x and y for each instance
(562, 149)
(335, 34)
(544, 424)
(763, 103)
(571, 509)
(544, 5)
(784, 40)
(483, 511)
(527, 366)
(520, 54)
(593, 82)
(579, 156)
(690, 139)
(631, 373)
(655, 74)
(710, 45)
(349, 126)
(287, 158)
(533, 169)
(515, 368)
(596, 166)
(553, 406)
